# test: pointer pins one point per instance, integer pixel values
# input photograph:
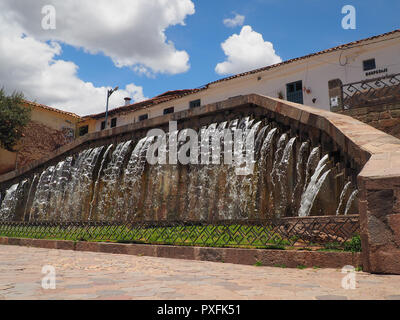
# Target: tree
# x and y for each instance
(13, 118)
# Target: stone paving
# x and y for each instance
(90, 275)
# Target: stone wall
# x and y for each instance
(382, 117)
(38, 141)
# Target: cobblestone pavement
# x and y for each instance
(90, 275)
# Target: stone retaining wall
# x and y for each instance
(382, 117)
(271, 258)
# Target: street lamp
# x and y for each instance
(109, 93)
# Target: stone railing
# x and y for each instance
(374, 152)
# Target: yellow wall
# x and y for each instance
(66, 123)
(55, 120)
(91, 123)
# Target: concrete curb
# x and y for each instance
(288, 258)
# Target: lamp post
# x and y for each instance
(109, 93)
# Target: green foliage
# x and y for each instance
(274, 247)
(354, 245)
(258, 263)
(305, 249)
(301, 267)
(277, 265)
(13, 118)
(332, 246)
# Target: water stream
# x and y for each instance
(116, 182)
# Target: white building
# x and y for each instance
(303, 80)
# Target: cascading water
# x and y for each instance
(344, 196)
(350, 202)
(9, 202)
(116, 182)
(300, 173)
(313, 187)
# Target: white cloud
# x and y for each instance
(246, 51)
(237, 20)
(31, 66)
(130, 32)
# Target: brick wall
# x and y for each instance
(382, 117)
(38, 141)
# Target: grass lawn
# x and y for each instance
(242, 236)
(196, 235)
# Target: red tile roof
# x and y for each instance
(166, 96)
(35, 104)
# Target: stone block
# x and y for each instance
(118, 248)
(395, 113)
(380, 202)
(87, 246)
(14, 241)
(396, 208)
(65, 245)
(384, 115)
(43, 243)
(385, 260)
(175, 252)
(210, 254)
(373, 116)
(378, 232)
(394, 224)
(142, 250)
(241, 256)
(388, 123)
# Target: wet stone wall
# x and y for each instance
(297, 171)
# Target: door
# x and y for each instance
(294, 92)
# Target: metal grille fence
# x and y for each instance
(309, 231)
(372, 92)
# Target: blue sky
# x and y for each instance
(296, 28)
(57, 68)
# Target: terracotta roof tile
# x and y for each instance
(164, 97)
(35, 104)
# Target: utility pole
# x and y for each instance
(109, 93)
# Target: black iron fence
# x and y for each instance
(372, 92)
(302, 232)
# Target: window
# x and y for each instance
(294, 92)
(369, 64)
(113, 122)
(194, 103)
(103, 125)
(168, 110)
(83, 130)
(143, 117)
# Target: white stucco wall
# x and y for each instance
(315, 72)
